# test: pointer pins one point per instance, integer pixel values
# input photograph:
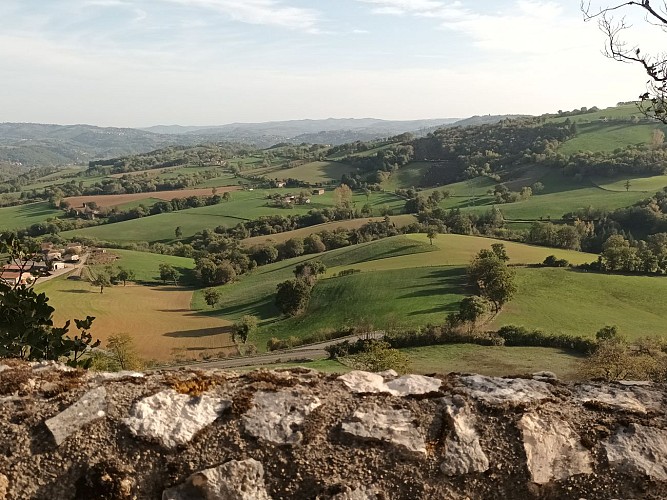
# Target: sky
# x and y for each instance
(135, 63)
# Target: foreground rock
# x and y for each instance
(298, 434)
(232, 481)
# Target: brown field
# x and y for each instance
(159, 318)
(399, 220)
(113, 200)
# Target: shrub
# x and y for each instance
(552, 261)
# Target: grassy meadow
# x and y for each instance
(398, 220)
(158, 318)
(244, 205)
(647, 185)
(22, 216)
(466, 358)
(316, 172)
(404, 281)
(146, 265)
(580, 303)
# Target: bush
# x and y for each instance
(348, 272)
(520, 336)
(552, 261)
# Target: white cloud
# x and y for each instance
(264, 12)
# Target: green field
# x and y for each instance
(398, 220)
(407, 176)
(494, 361)
(362, 154)
(579, 303)
(22, 216)
(397, 298)
(466, 358)
(457, 250)
(315, 172)
(405, 281)
(624, 111)
(145, 265)
(647, 185)
(245, 205)
(561, 195)
(608, 136)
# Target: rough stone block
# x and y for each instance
(91, 406)
(173, 418)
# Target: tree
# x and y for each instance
(168, 273)
(226, 196)
(491, 278)
(431, 233)
(244, 327)
(178, 232)
(122, 352)
(627, 185)
(26, 319)
(378, 356)
(211, 296)
(293, 247)
(309, 271)
(292, 296)
(500, 251)
(101, 279)
(653, 102)
(313, 244)
(125, 275)
(538, 187)
(472, 308)
(343, 196)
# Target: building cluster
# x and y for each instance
(51, 258)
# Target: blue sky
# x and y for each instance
(207, 62)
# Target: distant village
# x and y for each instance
(54, 258)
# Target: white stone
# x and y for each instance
(110, 376)
(173, 418)
(91, 406)
(496, 390)
(385, 424)
(388, 374)
(463, 451)
(39, 366)
(362, 382)
(276, 416)
(639, 449)
(553, 448)
(634, 399)
(235, 480)
(409, 385)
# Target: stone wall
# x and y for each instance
(300, 434)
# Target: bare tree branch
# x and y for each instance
(653, 102)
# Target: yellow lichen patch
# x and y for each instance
(194, 386)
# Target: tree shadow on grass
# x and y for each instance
(80, 291)
(444, 309)
(201, 332)
(263, 308)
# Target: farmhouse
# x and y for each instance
(74, 248)
(318, 192)
(281, 184)
(13, 278)
(53, 255)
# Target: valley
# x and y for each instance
(395, 223)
